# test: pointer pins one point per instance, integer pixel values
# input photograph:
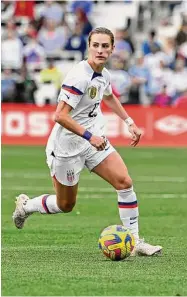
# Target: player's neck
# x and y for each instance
(96, 68)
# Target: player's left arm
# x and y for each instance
(112, 102)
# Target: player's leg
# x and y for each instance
(114, 171)
(63, 201)
(111, 167)
(65, 196)
(65, 174)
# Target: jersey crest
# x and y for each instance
(92, 92)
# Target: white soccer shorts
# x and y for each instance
(67, 169)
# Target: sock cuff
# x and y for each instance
(125, 190)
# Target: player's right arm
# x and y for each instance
(63, 117)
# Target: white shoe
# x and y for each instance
(145, 249)
(19, 215)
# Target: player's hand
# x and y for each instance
(99, 142)
(135, 134)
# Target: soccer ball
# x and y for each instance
(116, 242)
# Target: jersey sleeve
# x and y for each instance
(73, 88)
(108, 89)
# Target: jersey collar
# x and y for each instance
(95, 74)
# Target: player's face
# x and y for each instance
(100, 48)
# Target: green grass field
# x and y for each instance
(58, 255)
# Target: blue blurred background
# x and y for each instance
(41, 40)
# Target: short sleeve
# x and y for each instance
(73, 88)
(108, 88)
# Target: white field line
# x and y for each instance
(145, 195)
(94, 192)
(39, 154)
(33, 247)
(47, 188)
(143, 178)
(22, 152)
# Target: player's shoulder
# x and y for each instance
(106, 73)
(77, 77)
(79, 71)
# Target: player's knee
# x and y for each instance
(66, 206)
(123, 182)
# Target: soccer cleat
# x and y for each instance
(145, 249)
(19, 215)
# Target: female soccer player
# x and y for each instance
(78, 140)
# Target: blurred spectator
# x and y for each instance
(182, 34)
(150, 42)
(182, 52)
(34, 54)
(122, 47)
(166, 76)
(120, 79)
(162, 98)
(51, 37)
(128, 38)
(86, 6)
(77, 42)
(29, 32)
(8, 86)
(7, 10)
(26, 87)
(141, 80)
(180, 78)
(161, 75)
(24, 9)
(152, 60)
(82, 18)
(169, 47)
(51, 73)
(11, 51)
(50, 83)
(182, 100)
(10, 25)
(53, 11)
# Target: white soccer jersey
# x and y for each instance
(83, 89)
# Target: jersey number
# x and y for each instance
(93, 113)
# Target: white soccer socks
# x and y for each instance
(128, 210)
(45, 204)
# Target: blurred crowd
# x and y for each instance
(39, 38)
